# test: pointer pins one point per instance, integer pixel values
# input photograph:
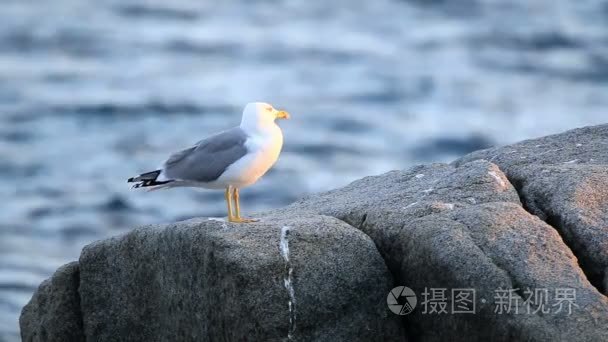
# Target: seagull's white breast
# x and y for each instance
(263, 151)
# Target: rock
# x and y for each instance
(563, 179)
(321, 269)
(447, 227)
(53, 313)
(306, 277)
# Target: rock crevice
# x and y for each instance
(563, 179)
(535, 207)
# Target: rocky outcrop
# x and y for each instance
(321, 268)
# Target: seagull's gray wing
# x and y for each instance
(209, 158)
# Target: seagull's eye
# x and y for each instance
(269, 109)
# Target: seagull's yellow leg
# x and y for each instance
(228, 196)
(237, 203)
(237, 206)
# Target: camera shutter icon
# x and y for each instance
(401, 300)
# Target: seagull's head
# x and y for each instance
(259, 115)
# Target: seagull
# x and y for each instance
(230, 160)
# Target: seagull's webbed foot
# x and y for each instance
(242, 220)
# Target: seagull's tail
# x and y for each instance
(148, 179)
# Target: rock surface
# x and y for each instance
(321, 268)
(306, 277)
(441, 226)
(563, 179)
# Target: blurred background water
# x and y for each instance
(93, 92)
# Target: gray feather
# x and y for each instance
(209, 158)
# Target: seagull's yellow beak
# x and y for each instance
(282, 115)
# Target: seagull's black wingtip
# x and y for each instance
(147, 179)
